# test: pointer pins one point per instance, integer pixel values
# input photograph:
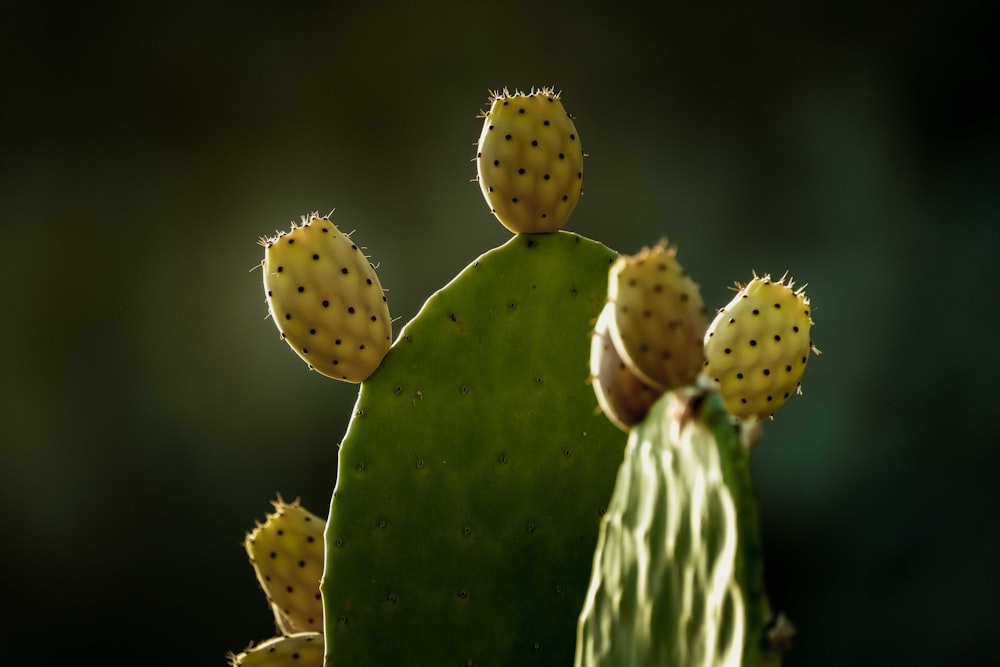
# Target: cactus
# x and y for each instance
(478, 463)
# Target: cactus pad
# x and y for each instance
(677, 578)
(475, 470)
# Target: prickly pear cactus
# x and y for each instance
(478, 464)
(475, 470)
(677, 578)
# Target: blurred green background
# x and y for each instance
(149, 412)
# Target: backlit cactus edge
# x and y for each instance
(499, 502)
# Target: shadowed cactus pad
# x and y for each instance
(475, 470)
(677, 578)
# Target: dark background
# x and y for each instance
(149, 412)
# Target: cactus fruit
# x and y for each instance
(659, 317)
(286, 552)
(623, 397)
(677, 576)
(530, 163)
(757, 347)
(304, 649)
(326, 299)
(474, 471)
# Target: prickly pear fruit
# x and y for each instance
(304, 649)
(623, 397)
(286, 552)
(659, 317)
(757, 347)
(530, 162)
(326, 300)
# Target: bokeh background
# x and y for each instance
(149, 412)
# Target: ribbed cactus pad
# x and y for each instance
(475, 471)
(677, 577)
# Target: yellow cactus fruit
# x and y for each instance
(659, 317)
(326, 300)
(530, 163)
(757, 347)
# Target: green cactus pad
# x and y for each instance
(475, 471)
(678, 577)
